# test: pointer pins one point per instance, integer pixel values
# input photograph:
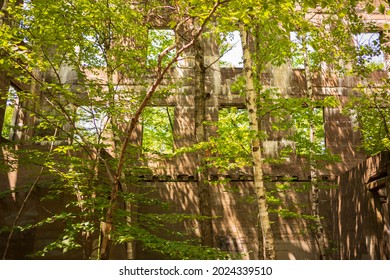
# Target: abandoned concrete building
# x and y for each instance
(355, 207)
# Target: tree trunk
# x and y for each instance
(106, 226)
(4, 87)
(266, 235)
(4, 79)
(319, 231)
(131, 219)
(206, 226)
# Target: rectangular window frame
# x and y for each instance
(156, 46)
(149, 141)
(368, 48)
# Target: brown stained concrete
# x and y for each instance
(361, 210)
(235, 211)
(356, 219)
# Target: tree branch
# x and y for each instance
(161, 72)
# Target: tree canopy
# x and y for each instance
(89, 74)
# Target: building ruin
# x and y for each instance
(176, 180)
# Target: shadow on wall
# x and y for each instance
(234, 211)
(362, 223)
(21, 204)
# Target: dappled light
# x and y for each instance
(11, 163)
(194, 130)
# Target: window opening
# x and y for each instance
(231, 50)
(302, 122)
(237, 121)
(91, 52)
(297, 58)
(233, 140)
(10, 104)
(159, 40)
(157, 130)
(90, 122)
(369, 50)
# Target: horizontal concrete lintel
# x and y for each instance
(377, 184)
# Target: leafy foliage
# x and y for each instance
(231, 148)
(160, 40)
(157, 128)
(88, 58)
(371, 110)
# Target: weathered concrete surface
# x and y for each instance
(234, 210)
(360, 206)
(355, 217)
(235, 228)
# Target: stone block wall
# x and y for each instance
(356, 214)
(235, 227)
(360, 208)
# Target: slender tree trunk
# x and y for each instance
(4, 79)
(131, 218)
(319, 231)
(4, 87)
(107, 225)
(206, 226)
(266, 234)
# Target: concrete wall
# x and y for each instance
(361, 221)
(235, 228)
(356, 218)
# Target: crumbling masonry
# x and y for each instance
(356, 213)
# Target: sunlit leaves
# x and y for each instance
(174, 249)
(231, 148)
(157, 123)
(160, 40)
(371, 111)
(84, 34)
